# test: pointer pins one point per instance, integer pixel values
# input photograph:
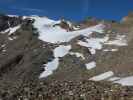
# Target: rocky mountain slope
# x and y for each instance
(43, 59)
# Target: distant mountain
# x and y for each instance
(44, 59)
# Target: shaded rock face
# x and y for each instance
(21, 59)
(6, 22)
(65, 25)
(23, 56)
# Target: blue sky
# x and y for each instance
(70, 9)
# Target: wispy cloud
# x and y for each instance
(33, 10)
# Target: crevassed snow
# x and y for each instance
(61, 50)
(77, 54)
(55, 34)
(90, 65)
(119, 41)
(102, 76)
(127, 81)
(50, 67)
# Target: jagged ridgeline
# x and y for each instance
(45, 59)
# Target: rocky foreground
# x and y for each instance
(92, 60)
(68, 90)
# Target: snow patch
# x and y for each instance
(76, 27)
(5, 31)
(14, 29)
(113, 50)
(12, 38)
(9, 38)
(11, 30)
(24, 17)
(102, 76)
(93, 51)
(114, 79)
(77, 54)
(3, 45)
(61, 50)
(127, 81)
(12, 15)
(94, 43)
(50, 67)
(3, 50)
(90, 65)
(119, 41)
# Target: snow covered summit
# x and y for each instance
(50, 32)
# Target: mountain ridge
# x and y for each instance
(41, 55)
